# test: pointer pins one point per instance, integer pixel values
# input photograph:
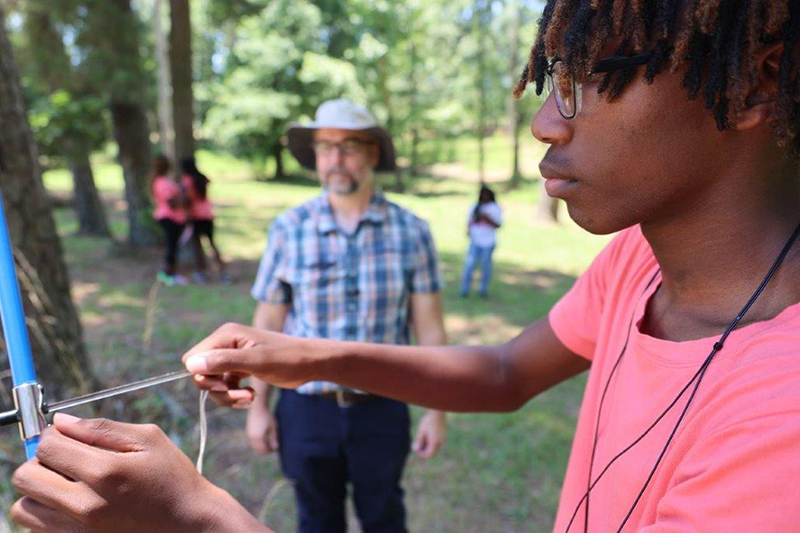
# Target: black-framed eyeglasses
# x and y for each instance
(568, 91)
(346, 147)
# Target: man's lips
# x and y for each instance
(557, 182)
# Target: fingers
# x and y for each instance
(69, 457)
(244, 361)
(272, 440)
(237, 399)
(52, 499)
(426, 444)
(229, 336)
(42, 484)
(30, 514)
(226, 390)
(420, 445)
(258, 444)
(101, 432)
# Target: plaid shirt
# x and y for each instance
(353, 287)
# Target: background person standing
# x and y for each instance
(347, 265)
(484, 219)
(201, 217)
(170, 213)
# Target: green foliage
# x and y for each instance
(279, 71)
(62, 117)
(418, 65)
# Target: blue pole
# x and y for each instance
(15, 332)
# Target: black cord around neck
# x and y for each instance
(696, 379)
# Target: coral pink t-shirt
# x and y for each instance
(164, 190)
(200, 208)
(734, 463)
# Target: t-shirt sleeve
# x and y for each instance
(426, 276)
(495, 212)
(164, 190)
(271, 285)
(740, 478)
(576, 318)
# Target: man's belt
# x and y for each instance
(347, 398)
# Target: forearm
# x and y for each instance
(448, 378)
(271, 318)
(431, 332)
(439, 377)
(221, 513)
(263, 392)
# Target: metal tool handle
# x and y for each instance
(8, 418)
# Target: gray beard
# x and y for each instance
(351, 189)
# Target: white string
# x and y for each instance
(203, 430)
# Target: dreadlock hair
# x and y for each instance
(715, 41)
(200, 180)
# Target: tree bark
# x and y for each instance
(165, 119)
(482, 15)
(55, 330)
(127, 97)
(57, 73)
(414, 104)
(131, 133)
(277, 154)
(512, 104)
(383, 84)
(181, 62)
(88, 205)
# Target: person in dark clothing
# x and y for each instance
(201, 217)
(170, 213)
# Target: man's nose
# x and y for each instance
(549, 127)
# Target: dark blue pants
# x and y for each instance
(323, 447)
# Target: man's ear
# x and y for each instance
(760, 105)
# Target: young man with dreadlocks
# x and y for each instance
(673, 122)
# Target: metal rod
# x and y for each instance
(115, 391)
(15, 332)
(8, 418)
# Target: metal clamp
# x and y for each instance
(29, 401)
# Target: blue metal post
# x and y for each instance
(13, 316)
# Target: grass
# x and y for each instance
(495, 473)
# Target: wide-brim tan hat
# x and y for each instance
(342, 115)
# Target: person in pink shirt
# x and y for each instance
(171, 214)
(201, 217)
(676, 125)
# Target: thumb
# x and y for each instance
(245, 361)
(420, 443)
(100, 432)
(273, 440)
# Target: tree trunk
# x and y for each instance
(131, 133)
(546, 207)
(512, 104)
(482, 29)
(181, 61)
(383, 84)
(166, 126)
(88, 206)
(55, 331)
(57, 73)
(414, 115)
(127, 94)
(277, 153)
